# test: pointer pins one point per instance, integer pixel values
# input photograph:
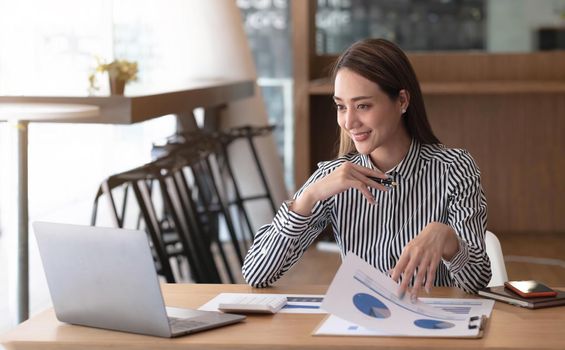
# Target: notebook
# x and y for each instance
(106, 278)
(501, 293)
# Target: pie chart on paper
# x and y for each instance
(433, 324)
(370, 305)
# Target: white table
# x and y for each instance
(211, 95)
(19, 115)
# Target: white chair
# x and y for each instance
(494, 252)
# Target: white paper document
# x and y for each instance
(334, 325)
(296, 303)
(364, 301)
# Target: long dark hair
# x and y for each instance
(385, 64)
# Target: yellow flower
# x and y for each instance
(117, 69)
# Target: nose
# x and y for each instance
(351, 120)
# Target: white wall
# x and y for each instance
(511, 24)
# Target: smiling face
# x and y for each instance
(367, 114)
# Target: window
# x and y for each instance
(267, 24)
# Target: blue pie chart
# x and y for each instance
(433, 324)
(370, 306)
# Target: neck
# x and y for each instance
(389, 155)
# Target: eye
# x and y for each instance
(339, 107)
(363, 106)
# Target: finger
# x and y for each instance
(408, 272)
(379, 182)
(413, 295)
(364, 191)
(367, 181)
(420, 275)
(400, 265)
(431, 274)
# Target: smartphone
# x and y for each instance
(530, 289)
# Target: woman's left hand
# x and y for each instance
(424, 253)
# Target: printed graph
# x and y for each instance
(370, 306)
(433, 324)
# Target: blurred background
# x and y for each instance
(492, 72)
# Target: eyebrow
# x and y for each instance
(356, 98)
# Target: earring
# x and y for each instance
(403, 110)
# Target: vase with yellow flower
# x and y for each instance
(120, 72)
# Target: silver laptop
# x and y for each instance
(106, 278)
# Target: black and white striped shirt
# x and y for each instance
(435, 183)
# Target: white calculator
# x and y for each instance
(257, 303)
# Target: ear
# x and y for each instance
(404, 99)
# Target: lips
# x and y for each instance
(360, 136)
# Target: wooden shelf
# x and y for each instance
(324, 87)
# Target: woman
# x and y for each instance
(426, 227)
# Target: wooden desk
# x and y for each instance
(509, 328)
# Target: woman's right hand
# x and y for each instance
(347, 175)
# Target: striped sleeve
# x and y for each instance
(470, 267)
(279, 245)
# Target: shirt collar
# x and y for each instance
(406, 166)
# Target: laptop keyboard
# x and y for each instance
(184, 323)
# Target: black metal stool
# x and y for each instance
(180, 214)
(224, 139)
(249, 133)
(137, 180)
(209, 201)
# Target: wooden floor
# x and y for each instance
(527, 256)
